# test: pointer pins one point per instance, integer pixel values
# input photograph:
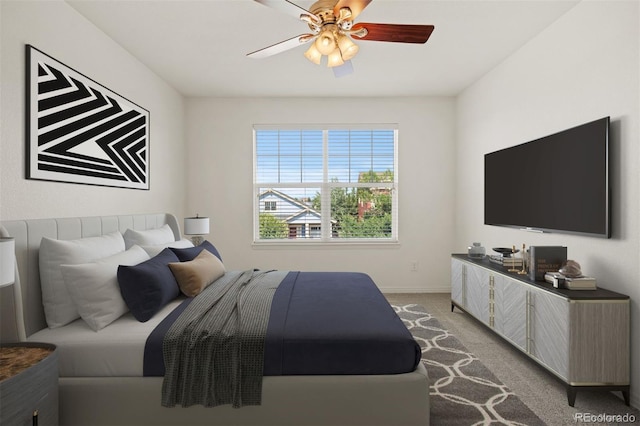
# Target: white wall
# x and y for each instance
(73, 40)
(583, 67)
(220, 178)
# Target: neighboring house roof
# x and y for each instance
(306, 216)
(303, 213)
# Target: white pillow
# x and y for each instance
(94, 287)
(149, 237)
(156, 249)
(59, 309)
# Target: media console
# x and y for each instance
(581, 336)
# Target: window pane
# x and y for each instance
(382, 142)
(267, 143)
(299, 157)
(312, 143)
(355, 152)
(267, 169)
(338, 169)
(382, 164)
(312, 156)
(361, 144)
(361, 213)
(290, 143)
(312, 169)
(288, 156)
(289, 213)
(290, 169)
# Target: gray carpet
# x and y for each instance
(463, 390)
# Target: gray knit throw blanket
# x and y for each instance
(214, 352)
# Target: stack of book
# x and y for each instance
(580, 283)
(508, 262)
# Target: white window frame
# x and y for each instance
(326, 186)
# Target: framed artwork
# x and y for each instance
(81, 132)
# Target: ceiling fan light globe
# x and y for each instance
(335, 59)
(326, 43)
(348, 48)
(313, 54)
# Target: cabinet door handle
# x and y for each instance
(528, 321)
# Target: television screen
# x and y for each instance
(556, 183)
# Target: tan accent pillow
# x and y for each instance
(195, 275)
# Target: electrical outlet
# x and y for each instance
(414, 266)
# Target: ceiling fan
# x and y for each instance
(332, 28)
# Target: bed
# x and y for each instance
(102, 378)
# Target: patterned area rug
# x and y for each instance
(463, 390)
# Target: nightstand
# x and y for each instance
(28, 384)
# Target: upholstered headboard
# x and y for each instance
(29, 233)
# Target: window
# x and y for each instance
(325, 184)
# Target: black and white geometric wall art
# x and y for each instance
(79, 131)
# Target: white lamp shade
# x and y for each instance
(7, 261)
(196, 225)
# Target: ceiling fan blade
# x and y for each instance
(398, 33)
(356, 7)
(281, 47)
(285, 6)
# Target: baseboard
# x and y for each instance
(387, 290)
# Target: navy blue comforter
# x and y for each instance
(322, 323)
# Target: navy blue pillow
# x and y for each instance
(149, 286)
(187, 254)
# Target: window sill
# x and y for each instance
(284, 244)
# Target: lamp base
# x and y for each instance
(197, 240)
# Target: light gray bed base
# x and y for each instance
(401, 399)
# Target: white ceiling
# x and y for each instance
(199, 46)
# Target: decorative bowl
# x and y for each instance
(505, 251)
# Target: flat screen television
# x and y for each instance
(558, 183)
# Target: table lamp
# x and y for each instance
(197, 227)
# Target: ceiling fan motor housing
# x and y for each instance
(323, 9)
